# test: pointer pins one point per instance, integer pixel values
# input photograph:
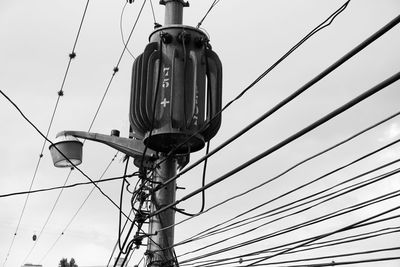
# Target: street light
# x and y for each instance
(68, 149)
(71, 151)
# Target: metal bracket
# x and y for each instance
(131, 147)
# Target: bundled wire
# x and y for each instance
(304, 242)
(316, 238)
(322, 218)
(312, 246)
(218, 229)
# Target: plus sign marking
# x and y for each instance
(164, 102)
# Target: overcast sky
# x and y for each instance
(249, 36)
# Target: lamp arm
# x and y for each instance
(131, 147)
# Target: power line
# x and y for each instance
(296, 244)
(48, 218)
(214, 3)
(263, 215)
(79, 209)
(321, 26)
(287, 171)
(153, 13)
(84, 174)
(60, 93)
(286, 207)
(67, 186)
(203, 194)
(314, 221)
(308, 247)
(350, 239)
(325, 244)
(288, 140)
(320, 76)
(342, 263)
(331, 256)
(316, 238)
(116, 68)
(122, 32)
(116, 244)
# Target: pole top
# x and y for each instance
(184, 4)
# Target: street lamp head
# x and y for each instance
(66, 147)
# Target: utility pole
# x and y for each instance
(162, 239)
(175, 106)
(167, 168)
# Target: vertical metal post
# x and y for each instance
(173, 11)
(162, 239)
(158, 251)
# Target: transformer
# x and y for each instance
(176, 92)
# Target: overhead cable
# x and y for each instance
(341, 109)
(79, 209)
(47, 219)
(331, 256)
(307, 247)
(215, 229)
(321, 26)
(67, 186)
(320, 76)
(314, 221)
(327, 264)
(316, 238)
(318, 245)
(214, 3)
(286, 207)
(122, 32)
(285, 172)
(37, 130)
(116, 68)
(60, 93)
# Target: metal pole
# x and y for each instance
(161, 198)
(173, 11)
(159, 252)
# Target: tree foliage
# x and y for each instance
(64, 263)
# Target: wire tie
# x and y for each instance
(116, 69)
(60, 93)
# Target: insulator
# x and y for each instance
(176, 91)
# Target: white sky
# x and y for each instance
(249, 36)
